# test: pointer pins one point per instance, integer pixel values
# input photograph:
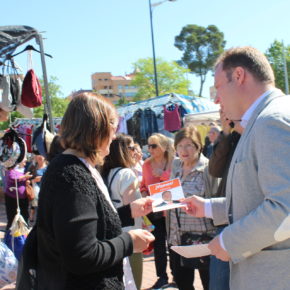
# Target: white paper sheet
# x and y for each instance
(192, 251)
(167, 207)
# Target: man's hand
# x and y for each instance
(217, 250)
(194, 206)
(141, 240)
(141, 207)
(225, 122)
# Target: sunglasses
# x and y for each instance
(153, 146)
(131, 148)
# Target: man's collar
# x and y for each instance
(247, 115)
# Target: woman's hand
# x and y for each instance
(37, 178)
(27, 175)
(141, 207)
(141, 240)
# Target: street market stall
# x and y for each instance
(12, 37)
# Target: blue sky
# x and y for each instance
(108, 35)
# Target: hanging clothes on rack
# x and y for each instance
(150, 122)
(172, 120)
(25, 132)
(136, 127)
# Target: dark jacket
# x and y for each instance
(221, 157)
(79, 236)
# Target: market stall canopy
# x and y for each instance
(191, 104)
(202, 118)
(13, 36)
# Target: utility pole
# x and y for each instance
(285, 70)
(153, 44)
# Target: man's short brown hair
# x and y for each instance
(250, 59)
(87, 124)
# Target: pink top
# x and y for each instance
(148, 177)
(172, 120)
(10, 177)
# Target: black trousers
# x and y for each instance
(11, 208)
(160, 247)
(184, 277)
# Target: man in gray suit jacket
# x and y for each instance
(257, 203)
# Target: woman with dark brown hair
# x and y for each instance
(80, 244)
(123, 187)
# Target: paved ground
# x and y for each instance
(149, 276)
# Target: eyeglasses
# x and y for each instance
(132, 148)
(186, 147)
(153, 146)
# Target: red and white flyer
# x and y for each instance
(166, 195)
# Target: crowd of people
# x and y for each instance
(92, 194)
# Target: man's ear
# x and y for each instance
(239, 74)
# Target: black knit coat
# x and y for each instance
(80, 241)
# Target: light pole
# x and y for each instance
(153, 45)
(285, 70)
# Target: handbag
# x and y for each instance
(189, 238)
(29, 190)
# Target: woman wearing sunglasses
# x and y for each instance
(157, 168)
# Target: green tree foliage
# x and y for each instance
(171, 78)
(275, 57)
(201, 46)
(59, 104)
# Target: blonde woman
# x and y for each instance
(157, 168)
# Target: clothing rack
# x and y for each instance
(11, 37)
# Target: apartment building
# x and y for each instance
(114, 87)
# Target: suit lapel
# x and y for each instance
(263, 104)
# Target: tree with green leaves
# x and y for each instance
(201, 46)
(58, 103)
(171, 78)
(276, 59)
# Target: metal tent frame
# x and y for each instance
(12, 37)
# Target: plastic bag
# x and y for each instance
(8, 266)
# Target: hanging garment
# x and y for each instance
(182, 112)
(136, 127)
(172, 119)
(150, 122)
(31, 95)
(25, 132)
(6, 100)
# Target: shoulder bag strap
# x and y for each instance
(112, 178)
